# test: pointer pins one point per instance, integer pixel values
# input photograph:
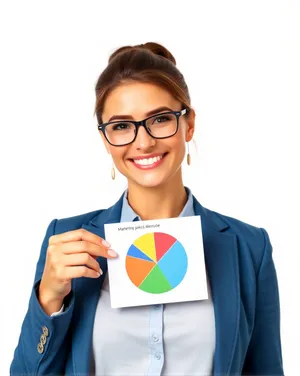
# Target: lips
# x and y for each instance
(151, 161)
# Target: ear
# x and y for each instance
(106, 144)
(190, 121)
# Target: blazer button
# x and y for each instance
(45, 331)
(43, 339)
(40, 348)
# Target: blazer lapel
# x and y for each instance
(221, 258)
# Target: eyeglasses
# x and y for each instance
(124, 132)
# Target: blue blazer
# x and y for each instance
(244, 287)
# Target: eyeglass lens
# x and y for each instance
(123, 132)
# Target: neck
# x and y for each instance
(166, 201)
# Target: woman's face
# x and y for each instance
(137, 99)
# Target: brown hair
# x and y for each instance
(150, 63)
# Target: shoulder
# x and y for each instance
(91, 218)
(247, 231)
(252, 240)
(75, 222)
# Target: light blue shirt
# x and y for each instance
(128, 214)
(164, 339)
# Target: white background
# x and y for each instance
(241, 62)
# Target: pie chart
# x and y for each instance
(156, 262)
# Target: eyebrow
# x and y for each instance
(149, 113)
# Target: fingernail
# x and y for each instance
(112, 253)
(105, 243)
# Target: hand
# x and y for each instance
(71, 254)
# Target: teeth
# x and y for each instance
(147, 161)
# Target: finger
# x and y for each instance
(81, 259)
(85, 246)
(76, 235)
(70, 272)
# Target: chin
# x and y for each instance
(150, 181)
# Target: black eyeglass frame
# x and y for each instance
(142, 123)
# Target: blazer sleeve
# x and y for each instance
(264, 356)
(31, 356)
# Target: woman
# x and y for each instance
(69, 327)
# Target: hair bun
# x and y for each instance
(155, 48)
(158, 49)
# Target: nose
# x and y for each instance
(143, 140)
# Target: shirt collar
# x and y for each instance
(129, 215)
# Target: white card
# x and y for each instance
(159, 261)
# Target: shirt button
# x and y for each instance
(155, 338)
(157, 356)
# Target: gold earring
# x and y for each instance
(188, 157)
(113, 172)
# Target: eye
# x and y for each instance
(120, 126)
(162, 118)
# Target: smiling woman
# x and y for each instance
(145, 120)
(134, 144)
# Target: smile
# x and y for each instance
(146, 163)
